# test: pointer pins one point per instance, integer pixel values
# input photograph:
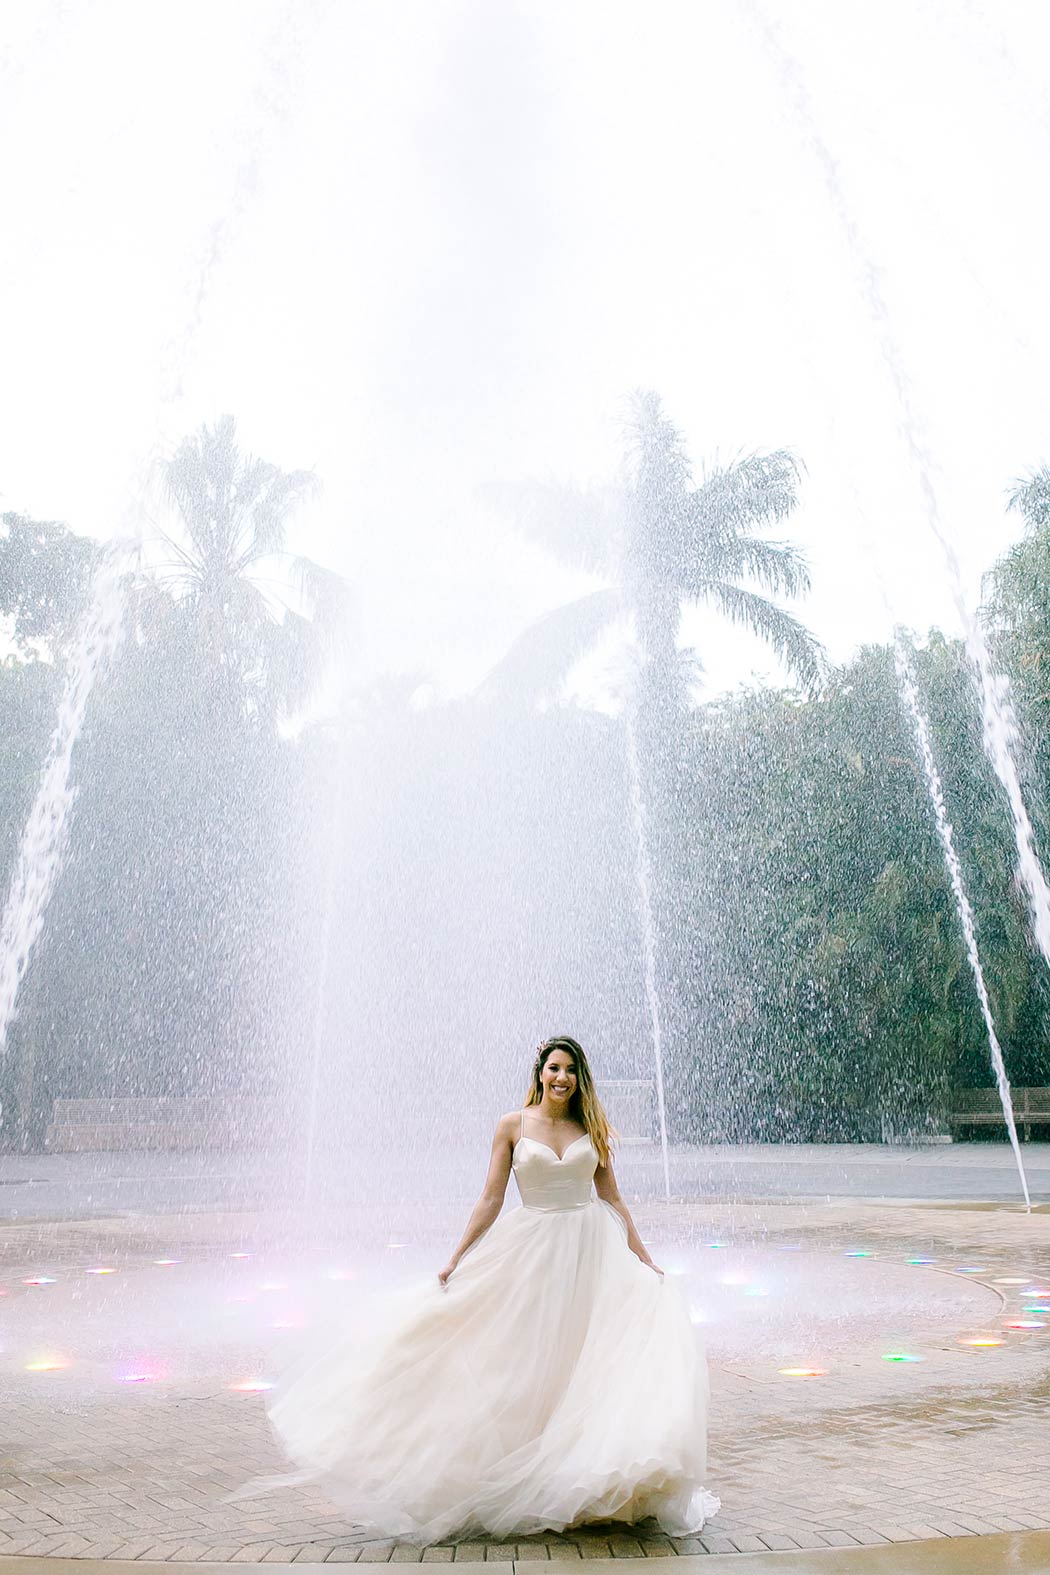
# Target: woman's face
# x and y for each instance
(559, 1077)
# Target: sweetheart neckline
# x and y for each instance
(559, 1157)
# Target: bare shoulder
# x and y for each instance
(509, 1125)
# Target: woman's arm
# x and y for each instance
(492, 1194)
(606, 1188)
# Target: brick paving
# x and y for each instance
(871, 1453)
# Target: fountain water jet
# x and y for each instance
(43, 840)
(999, 721)
(1000, 730)
(909, 692)
(645, 904)
(319, 1023)
(336, 847)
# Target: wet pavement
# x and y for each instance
(880, 1379)
(81, 1186)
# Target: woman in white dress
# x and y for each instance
(549, 1376)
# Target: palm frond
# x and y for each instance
(799, 650)
(778, 566)
(201, 479)
(1032, 498)
(542, 657)
(331, 604)
(757, 489)
(284, 492)
(184, 484)
(321, 588)
(577, 525)
(249, 607)
(234, 509)
(295, 664)
(185, 566)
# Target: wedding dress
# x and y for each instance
(556, 1379)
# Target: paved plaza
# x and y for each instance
(99, 1186)
(135, 1349)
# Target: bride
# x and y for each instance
(547, 1377)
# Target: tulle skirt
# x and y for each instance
(556, 1380)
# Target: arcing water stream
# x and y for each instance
(997, 711)
(643, 877)
(1000, 731)
(1001, 736)
(40, 849)
(42, 843)
(908, 690)
(910, 694)
(336, 850)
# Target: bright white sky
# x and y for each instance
(441, 239)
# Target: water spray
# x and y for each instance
(320, 1019)
(42, 844)
(909, 691)
(43, 840)
(1000, 729)
(643, 876)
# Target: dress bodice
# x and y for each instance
(547, 1182)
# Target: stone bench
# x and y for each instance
(80, 1126)
(977, 1107)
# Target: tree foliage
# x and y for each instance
(44, 570)
(228, 571)
(476, 861)
(661, 541)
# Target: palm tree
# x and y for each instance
(662, 541)
(230, 571)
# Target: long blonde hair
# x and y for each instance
(585, 1106)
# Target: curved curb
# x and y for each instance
(1023, 1553)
